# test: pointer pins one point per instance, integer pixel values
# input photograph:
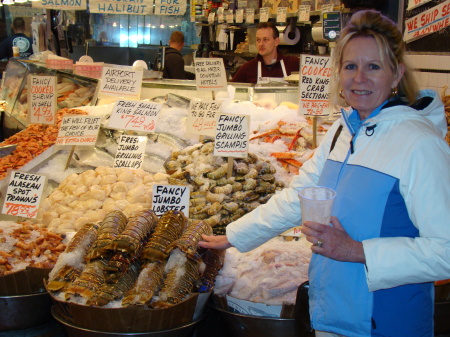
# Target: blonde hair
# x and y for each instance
(391, 46)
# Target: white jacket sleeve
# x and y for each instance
(425, 187)
(282, 211)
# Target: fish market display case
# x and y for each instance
(244, 91)
(72, 91)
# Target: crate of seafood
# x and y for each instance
(27, 254)
(135, 274)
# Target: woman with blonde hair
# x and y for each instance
(373, 269)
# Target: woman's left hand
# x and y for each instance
(333, 241)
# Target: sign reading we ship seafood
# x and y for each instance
(134, 115)
(232, 133)
(139, 7)
(130, 152)
(61, 4)
(210, 74)
(42, 99)
(428, 22)
(23, 194)
(78, 130)
(121, 82)
(170, 7)
(201, 119)
(315, 76)
(170, 198)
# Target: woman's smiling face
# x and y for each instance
(366, 81)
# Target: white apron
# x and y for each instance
(265, 80)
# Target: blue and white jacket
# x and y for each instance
(392, 177)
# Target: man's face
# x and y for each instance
(265, 42)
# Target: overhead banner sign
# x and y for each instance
(73, 5)
(139, 7)
(416, 3)
(170, 7)
(24, 12)
(428, 22)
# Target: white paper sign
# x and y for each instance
(41, 99)
(201, 119)
(304, 13)
(170, 197)
(168, 7)
(134, 115)
(211, 17)
(428, 22)
(281, 14)
(78, 130)
(264, 14)
(239, 16)
(232, 134)
(230, 16)
(327, 8)
(120, 7)
(250, 15)
(121, 82)
(220, 15)
(315, 76)
(416, 3)
(210, 74)
(23, 194)
(130, 152)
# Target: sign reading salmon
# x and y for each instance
(315, 76)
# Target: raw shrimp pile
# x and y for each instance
(87, 197)
(269, 274)
(25, 245)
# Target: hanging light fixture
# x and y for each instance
(34, 0)
(8, 2)
(20, 1)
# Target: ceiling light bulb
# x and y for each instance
(8, 2)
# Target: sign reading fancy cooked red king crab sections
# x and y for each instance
(78, 130)
(314, 81)
(23, 194)
(41, 99)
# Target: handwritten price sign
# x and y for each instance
(134, 115)
(42, 99)
(23, 194)
(201, 119)
(78, 130)
(231, 135)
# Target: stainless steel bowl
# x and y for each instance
(186, 330)
(239, 325)
(24, 311)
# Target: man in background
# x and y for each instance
(173, 61)
(19, 39)
(270, 65)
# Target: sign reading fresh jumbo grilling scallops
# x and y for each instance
(315, 76)
(232, 134)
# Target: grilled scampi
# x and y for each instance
(188, 241)
(149, 282)
(182, 274)
(127, 245)
(169, 228)
(90, 279)
(113, 224)
(64, 271)
(108, 292)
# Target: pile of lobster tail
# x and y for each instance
(142, 260)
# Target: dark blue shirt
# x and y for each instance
(20, 40)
